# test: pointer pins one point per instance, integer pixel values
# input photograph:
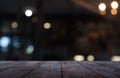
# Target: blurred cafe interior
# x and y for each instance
(75, 30)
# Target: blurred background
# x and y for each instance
(79, 30)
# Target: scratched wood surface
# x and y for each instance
(59, 69)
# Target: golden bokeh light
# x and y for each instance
(114, 5)
(114, 12)
(90, 58)
(115, 58)
(103, 12)
(47, 25)
(102, 6)
(78, 58)
(14, 25)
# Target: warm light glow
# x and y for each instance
(14, 25)
(79, 58)
(28, 13)
(90, 58)
(115, 58)
(47, 25)
(102, 12)
(102, 6)
(114, 5)
(114, 12)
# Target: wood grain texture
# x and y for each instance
(18, 70)
(104, 71)
(59, 69)
(109, 64)
(75, 70)
(47, 70)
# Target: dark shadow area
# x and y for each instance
(59, 30)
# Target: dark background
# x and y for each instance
(75, 29)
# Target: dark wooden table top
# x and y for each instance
(59, 69)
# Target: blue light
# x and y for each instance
(16, 43)
(4, 49)
(4, 42)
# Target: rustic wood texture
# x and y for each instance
(59, 69)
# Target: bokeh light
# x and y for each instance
(90, 58)
(115, 58)
(28, 13)
(16, 43)
(114, 12)
(114, 5)
(4, 42)
(14, 25)
(102, 7)
(79, 58)
(29, 49)
(102, 12)
(47, 25)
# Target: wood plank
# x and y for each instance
(4, 63)
(114, 65)
(75, 70)
(1, 62)
(7, 65)
(57, 69)
(20, 70)
(50, 69)
(102, 70)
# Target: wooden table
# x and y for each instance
(59, 69)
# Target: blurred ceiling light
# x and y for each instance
(79, 58)
(115, 58)
(47, 25)
(28, 13)
(14, 25)
(102, 12)
(114, 5)
(102, 6)
(90, 58)
(114, 12)
(29, 49)
(4, 42)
